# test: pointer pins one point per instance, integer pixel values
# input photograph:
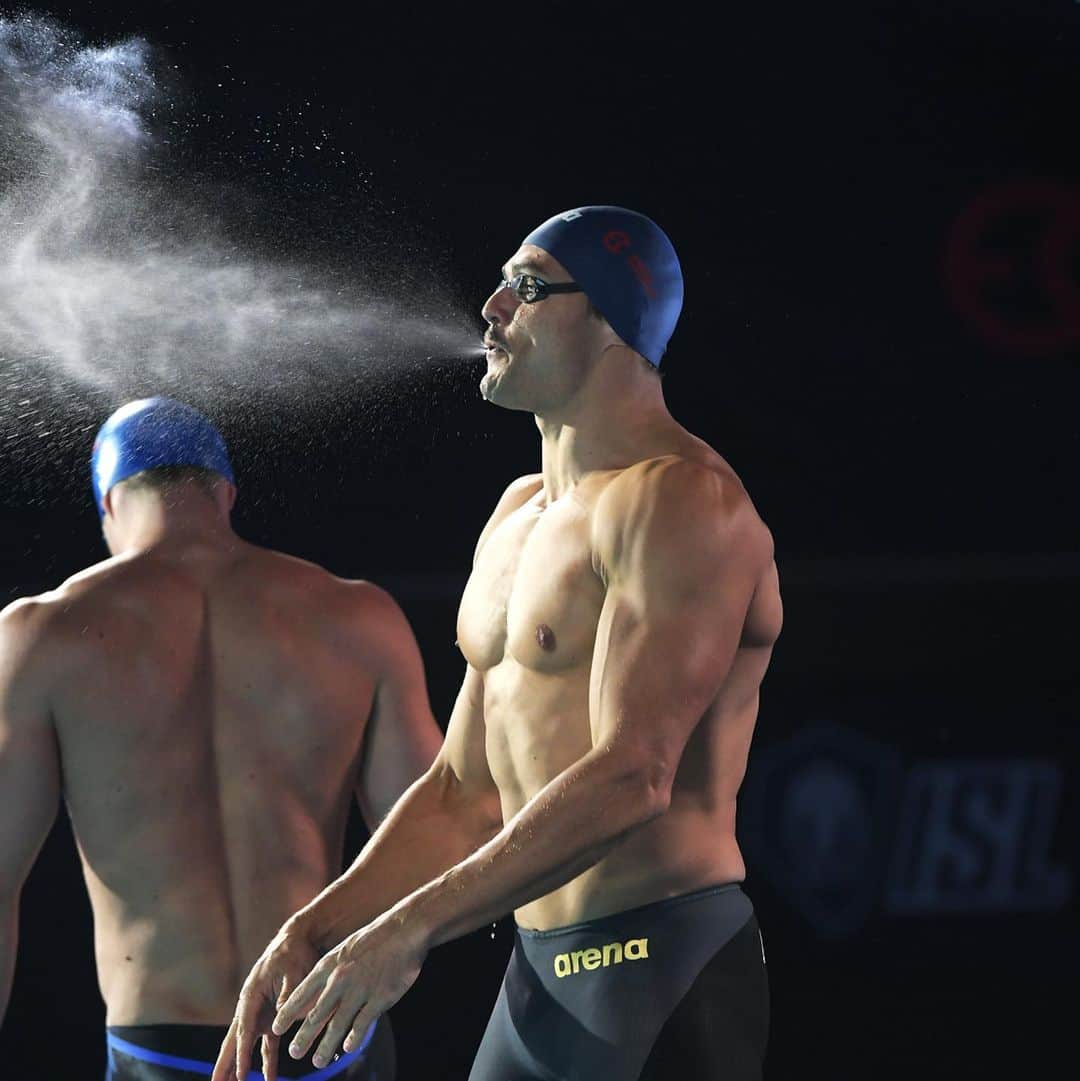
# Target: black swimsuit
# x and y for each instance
(671, 991)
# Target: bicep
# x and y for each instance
(669, 630)
(655, 672)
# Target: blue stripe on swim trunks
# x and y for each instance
(197, 1066)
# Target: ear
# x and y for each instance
(107, 502)
(230, 497)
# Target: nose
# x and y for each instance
(499, 307)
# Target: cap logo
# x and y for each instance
(617, 242)
(641, 272)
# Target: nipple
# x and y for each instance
(545, 637)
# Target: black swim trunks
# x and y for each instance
(186, 1052)
(671, 991)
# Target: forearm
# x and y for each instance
(431, 828)
(567, 827)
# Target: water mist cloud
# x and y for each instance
(114, 276)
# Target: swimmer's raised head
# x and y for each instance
(627, 267)
(155, 433)
(587, 292)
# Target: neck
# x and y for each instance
(609, 425)
(169, 520)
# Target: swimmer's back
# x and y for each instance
(210, 707)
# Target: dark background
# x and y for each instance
(877, 208)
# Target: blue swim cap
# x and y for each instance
(627, 267)
(154, 432)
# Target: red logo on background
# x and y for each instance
(1013, 266)
(616, 242)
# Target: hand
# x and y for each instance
(283, 964)
(356, 982)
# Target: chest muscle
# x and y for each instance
(533, 595)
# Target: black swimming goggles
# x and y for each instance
(529, 289)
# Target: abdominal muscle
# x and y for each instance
(538, 726)
(681, 852)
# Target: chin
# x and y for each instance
(495, 391)
(489, 386)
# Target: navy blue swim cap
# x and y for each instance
(154, 432)
(627, 267)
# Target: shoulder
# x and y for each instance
(371, 604)
(672, 506)
(516, 495)
(95, 581)
(23, 621)
(354, 611)
(357, 595)
(280, 577)
(31, 622)
(270, 568)
(109, 589)
(26, 628)
(373, 626)
(47, 632)
(283, 586)
(676, 482)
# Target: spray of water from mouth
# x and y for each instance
(119, 278)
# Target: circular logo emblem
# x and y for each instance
(1013, 266)
(616, 241)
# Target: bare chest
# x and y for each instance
(533, 595)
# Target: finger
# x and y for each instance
(225, 1066)
(336, 1032)
(246, 1031)
(361, 1023)
(313, 1024)
(301, 998)
(287, 986)
(269, 1057)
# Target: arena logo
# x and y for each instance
(612, 953)
(843, 828)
